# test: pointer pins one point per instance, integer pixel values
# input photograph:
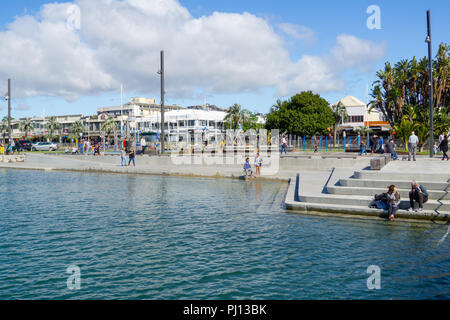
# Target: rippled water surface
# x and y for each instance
(144, 237)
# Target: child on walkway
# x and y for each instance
(123, 156)
(362, 149)
(258, 164)
(132, 156)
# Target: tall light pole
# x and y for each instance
(9, 112)
(121, 113)
(430, 75)
(161, 72)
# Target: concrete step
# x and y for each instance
(362, 210)
(386, 175)
(364, 191)
(383, 183)
(364, 201)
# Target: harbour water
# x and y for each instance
(152, 237)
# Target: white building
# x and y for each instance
(180, 123)
(359, 115)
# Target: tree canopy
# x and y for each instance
(402, 92)
(305, 113)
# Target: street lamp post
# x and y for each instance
(430, 67)
(9, 112)
(161, 72)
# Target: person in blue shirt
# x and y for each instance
(248, 169)
(362, 149)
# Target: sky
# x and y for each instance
(73, 57)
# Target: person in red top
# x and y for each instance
(125, 144)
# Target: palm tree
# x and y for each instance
(363, 130)
(109, 125)
(76, 129)
(235, 116)
(26, 126)
(404, 129)
(52, 125)
(340, 114)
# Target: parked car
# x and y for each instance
(44, 146)
(26, 144)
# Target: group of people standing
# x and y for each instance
(127, 150)
(377, 146)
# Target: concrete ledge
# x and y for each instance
(402, 175)
(370, 191)
(12, 158)
(402, 184)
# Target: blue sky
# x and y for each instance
(402, 34)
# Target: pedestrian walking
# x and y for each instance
(143, 145)
(131, 156)
(444, 148)
(373, 143)
(413, 140)
(284, 145)
(123, 158)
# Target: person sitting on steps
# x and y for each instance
(393, 198)
(418, 193)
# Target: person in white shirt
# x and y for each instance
(441, 137)
(258, 164)
(143, 145)
(412, 146)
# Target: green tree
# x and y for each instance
(4, 128)
(340, 115)
(235, 116)
(76, 129)
(26, 126)
(404, 89)
(364, 130)
(52, 125)
(109, 126)
(404, 129)
(305, 113)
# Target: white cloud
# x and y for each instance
(353, 52)
(119, 42)
(297, 32)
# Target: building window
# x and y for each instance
(356, 118)
(191, 123)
